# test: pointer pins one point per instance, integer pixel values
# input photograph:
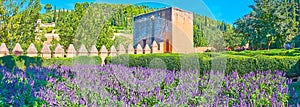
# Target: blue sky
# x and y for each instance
(222, 10)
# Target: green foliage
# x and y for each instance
(20, 62)
(296, 41)
(122, 40)
(271, 22)
(105, 37)
(88, 23)
(54, 43)
(47, 17)
(92, 24)
(122, 19)
(25, 61)
(209, 32)
(214, 61)
(93, 27)
(231, 38)
(71, 61)
(199, 38)
(2, 10)
(18, 24)
(273, 52)
(49, 29)
(295, 85)
(48, 7)
(66, 24)
(204, 30)
(172, 61)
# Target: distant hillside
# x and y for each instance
(121, 21)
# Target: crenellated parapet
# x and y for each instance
(70, 52)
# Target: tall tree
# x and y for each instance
(19, 22)
(230, 37)
(54, 14)
(2, 11)
(199, 38)
(271, 20)
(66, 26)
(48, 7)
(105, 37)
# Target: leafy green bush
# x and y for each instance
(70, 61)
(273, 52)
(49, 29)
(25, 61)
(213, 61)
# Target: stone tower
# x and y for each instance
(172, 27)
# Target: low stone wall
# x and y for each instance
(58, 52)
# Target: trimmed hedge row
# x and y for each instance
(273, 52)
(95, 60)
(202, 62)
(211, 61)
(25, 61)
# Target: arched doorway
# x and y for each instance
(167, 47)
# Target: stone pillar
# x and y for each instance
(121, 50)
(147, 49)
(32, 51)
(83, 51)
(103, 54)
(17, 51)
(71, 51)
(154, 47)
(3, 50)
(130, 49)
(113, 51)
(139, 49)
(59, 51)
(46, 52)
(94, 51)
(103, 51)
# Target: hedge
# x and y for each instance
(273, 52)
(212, 61)
(25, 61)
(201, 62)
(95, 60)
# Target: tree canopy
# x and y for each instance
(18, 21)
(270, 22)
(48, 7)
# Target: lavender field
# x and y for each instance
(116, 85)
(158, 53)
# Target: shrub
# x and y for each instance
(273, 52)
(213, 61)
(24, 61)
(70, 61)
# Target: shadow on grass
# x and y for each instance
(24, 62)
(24, 84)
(21, 62)
(23, 76)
